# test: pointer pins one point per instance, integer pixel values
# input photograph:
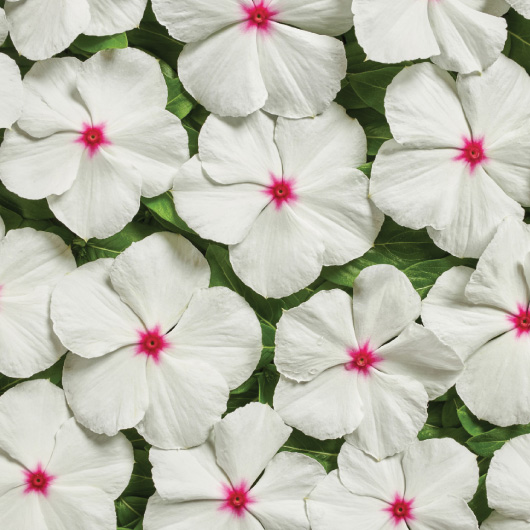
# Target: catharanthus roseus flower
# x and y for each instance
(279, 55)
(461, 35)
(341, 374)
(31, 264)
(425, 487)
(41, 28)
(508, 485)
(92, 141)
(521, 6)
(283, 194)
(460, 159)
(220, 483)
(484, 315)
(152, 346)
(55, 473)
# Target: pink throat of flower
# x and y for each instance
(151, 343)
(521, 320)
(37, 481)
(363, 359)
(281, 191)
(237, 498)
(259, 15)
(92, 137)
(401, 510)
(472, 153)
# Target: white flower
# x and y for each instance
(282, 194)
(425, 488)
(521, 6)
(92, 138)
(279, 55)
(460, 161)
(218, 484)
(42, 28)
(154, 347)
(31, 264)
(343, 375)
(508, 486)
(484, 315)
(3, 26)
(54, 474)
(11, 90)
(461, 35)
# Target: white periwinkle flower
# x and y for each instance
(461, 35)
(220, 486)
(93, 138)
(31, 265)
(244, 55)
(508, 486)
(425, 488)
(42, 28)
(484, 315)
(11, 89)
(460, 161)
(55, 474)
(152, 346)
(342, 374)
(521, 6)
(283, 194)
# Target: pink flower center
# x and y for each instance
(400, 510)
(521, 320)
(362, 359)
(281, 191)
(93, 137)
(37, 481)
(259, 15)
(151, 343)
(472, 153)
(236, 499)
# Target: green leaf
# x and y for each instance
(24, 207)
(450, 415)
(92, 44)
(434, 413)
(487, 443)
(179, 102)
(519, 34)
(430, 431)
(348, 98)
(479, 502)
(163, 209)
(130, 510)
(154, 38)
(267, 381)
(375, 126)
(141, 483)
(471, 423)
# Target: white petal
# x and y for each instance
(416, 187)
(446, 513)
(40, 29)
(329, 406)
(499, 280)
(31, 413)
(51, 101)
(88, 315)
(219, 212)
(313, 147)
(315, 336)
(185, 400)
(439, 467)
(384, 304)
(496, 521)
(156, 278)
(280, 493)
(301, 70)
(459, 323)
(11, 474)
(395, 409)
(219, 328)
(107, 393)
(363, 475)
(104, 197)
(280, 255)
(21, 511)
(234, 85)
(188, 474)
(108, 17)
(417, 352)
(11, 90)
(508, 479)
(493, 7)
(82, 458)
(3, 26)
(469, 40)
(496, 380)
(247, 439)
(393, 31)
(2, 229)
(423, 109)
(521, 6)
(36, 168)
(194, 20)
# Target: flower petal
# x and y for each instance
(496, 521)
(3, 26)
(493, 7)
(315, 336)
(445, 513)
(157, 276)
(521, 7)
(11, 474)
(11, 89)
(21, 511)
(108, 17)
